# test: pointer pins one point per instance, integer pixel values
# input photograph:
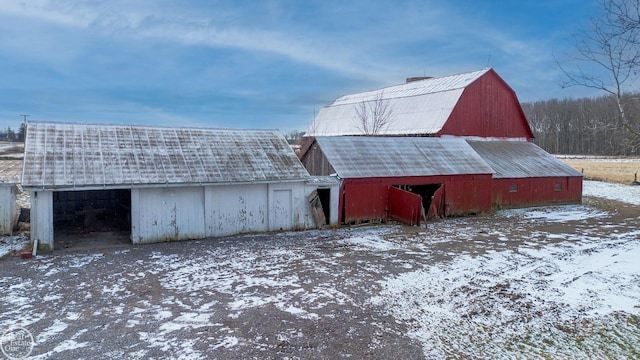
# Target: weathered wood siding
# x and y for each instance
(167, 214)
(236, 209)
(7, 208)
(42, 219)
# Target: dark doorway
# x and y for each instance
(325, 200)
(85, 216)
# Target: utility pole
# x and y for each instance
(24, 118)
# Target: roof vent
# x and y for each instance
(418, 78)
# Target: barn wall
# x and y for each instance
(166, 214)
(366, 199)
(42, 219)
(535, 191)
(7, 208)
(236, 209)
(315, 162)
(183, 213)
(488, 108)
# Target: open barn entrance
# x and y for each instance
(320, 202)
(92, 218)
(431, 195)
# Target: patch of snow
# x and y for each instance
(625, 193)
(10, 244)
(555, 213)
(481, 305)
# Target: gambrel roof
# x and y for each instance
(64, 155)
(418, 107)
(367, 157)
(520, 159)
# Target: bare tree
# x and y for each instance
(608, 58)
(373, 117)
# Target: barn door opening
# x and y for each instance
(325, 201)
(93, 218)
(319, 201)
(431, 199)
(432, 203)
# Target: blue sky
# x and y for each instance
(262, 64)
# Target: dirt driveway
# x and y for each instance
(499, 285)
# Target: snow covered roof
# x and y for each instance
(418, 107)
(520, 159)
(60, 155)
(366, 157)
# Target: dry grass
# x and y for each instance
(620, 170)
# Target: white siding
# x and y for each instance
(166, 214)
(7, 208)
(235, 209)
(42, 219)
(281, 209)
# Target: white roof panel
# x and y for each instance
(59, 155)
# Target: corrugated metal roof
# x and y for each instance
(418, 107)
(59, 155)
(520, 159)
(367, 157)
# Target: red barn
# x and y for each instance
(402, 178)
(477, 106)
(478, 103)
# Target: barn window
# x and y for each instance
(558, 187)
(513, 188)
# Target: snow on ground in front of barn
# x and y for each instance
(464, 288)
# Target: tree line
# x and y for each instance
(585, 126)
(14, 135)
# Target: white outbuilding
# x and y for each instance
(163, 184)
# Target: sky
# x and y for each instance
(263, 64)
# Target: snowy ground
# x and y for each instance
(549, 282)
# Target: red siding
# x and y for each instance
(367, 199)
(536, 191)
(488, 108)
(404, 206)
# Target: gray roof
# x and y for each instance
(60, 155)
(366, 157)
(418, 107)
(520, 159)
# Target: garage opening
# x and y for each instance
(93, 218)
